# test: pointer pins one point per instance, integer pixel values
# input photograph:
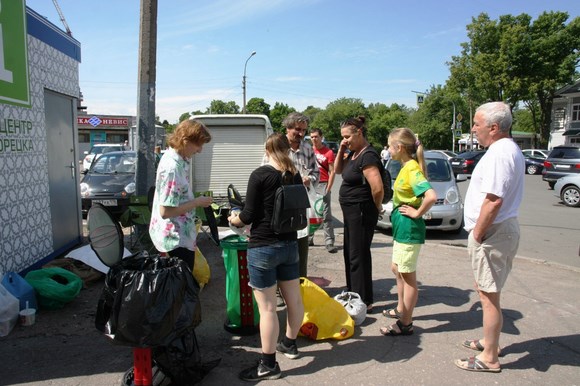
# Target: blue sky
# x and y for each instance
(308, 52)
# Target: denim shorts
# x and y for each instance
(271, 263)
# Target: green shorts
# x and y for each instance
(406, 256)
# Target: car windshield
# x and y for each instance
(565, 153)
(104, 149)
(115, 164)
(468, 154)
(437, 169)
(448, 153)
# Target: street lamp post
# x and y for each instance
(244, 81)
(453, 129)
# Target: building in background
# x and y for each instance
(101, 128)
(40, 208)
(565, 128)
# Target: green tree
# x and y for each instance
(311, 113)
(337, 111)
(220, 107)
(184, 116)
(523, 120)
(433, 120)
(277, 115)
(516, 60)
(382, 119)
(257, 106)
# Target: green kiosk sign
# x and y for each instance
(14, 88)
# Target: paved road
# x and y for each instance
(550, 231)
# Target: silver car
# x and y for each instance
(447, 212)
(568, 189)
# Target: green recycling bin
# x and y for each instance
(243, 316)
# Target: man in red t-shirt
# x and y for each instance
(325, 160)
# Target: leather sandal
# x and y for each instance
(400, 329)
(392, 313)
(475, 344)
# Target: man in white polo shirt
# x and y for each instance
(491, 209)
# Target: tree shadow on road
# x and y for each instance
(543, 353)
(470, 320)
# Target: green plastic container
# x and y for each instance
(54, 286)
(243, 316)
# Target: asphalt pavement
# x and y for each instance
(540, 336)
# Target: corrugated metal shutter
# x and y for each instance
(230, 158)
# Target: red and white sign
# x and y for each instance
(104, 121)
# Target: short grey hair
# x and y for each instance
(294, 118)
(497, 112)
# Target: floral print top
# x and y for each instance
(172, 189)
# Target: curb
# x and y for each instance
(525, 258)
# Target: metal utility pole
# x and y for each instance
(244, 81)
(145, 177)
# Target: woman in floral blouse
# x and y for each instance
(172, 227)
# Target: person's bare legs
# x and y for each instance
(400, 288)
(492, 325)
(294, 306)
(269, 325)
(410, 296)
(407, 293)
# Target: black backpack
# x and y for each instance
(290, 207)
(387, 182)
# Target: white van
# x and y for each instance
(235, 150)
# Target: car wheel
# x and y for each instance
(551, 184)
(570, 196)
(532, 169)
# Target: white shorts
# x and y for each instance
(491, 260)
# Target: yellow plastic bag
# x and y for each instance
(324, 317)
(201, 271)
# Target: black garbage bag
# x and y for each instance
(181, 360)
(148, 301)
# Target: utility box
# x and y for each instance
(235, 150)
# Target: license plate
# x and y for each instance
(454, 163)
(563, 167)
(106, 202)
(427, 216)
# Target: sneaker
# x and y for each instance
(290, 352)
(331, 248)
(279, 299)
(260, 372)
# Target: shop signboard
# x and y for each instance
(14, 81)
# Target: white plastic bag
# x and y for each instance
(354, 305)
(9, 309)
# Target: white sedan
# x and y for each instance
(568, 189)
(447, 212)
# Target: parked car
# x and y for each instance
(533, 165)
(97, 150)
(448, 153)
(465, 162)
(568, 189)
(447, 212)
(110, 181)
(536, 153)
(332, 145)
(562, 161)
